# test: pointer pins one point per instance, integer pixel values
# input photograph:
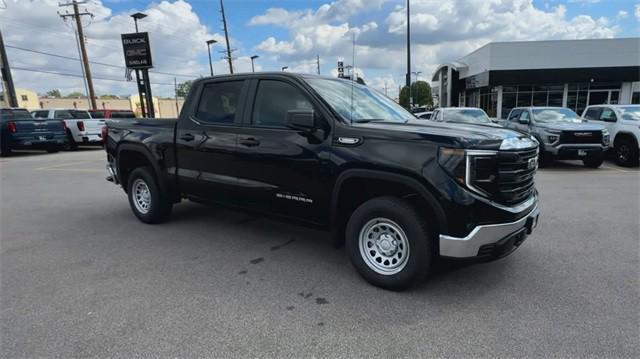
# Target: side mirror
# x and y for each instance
(610, 119)
(303, 120)
(524, 121)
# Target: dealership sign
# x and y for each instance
(137, 52)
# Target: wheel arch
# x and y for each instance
(137, 155)
(625, 134)
(339, 218)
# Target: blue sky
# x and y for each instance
(291, 33)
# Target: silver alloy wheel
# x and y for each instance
(141, 196)
(384, 246)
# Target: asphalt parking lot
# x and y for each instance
(81, 276)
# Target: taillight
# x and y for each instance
(104, 133)
(80, 125)
(64, 125)
(11, 127)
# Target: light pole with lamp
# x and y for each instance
(417, 73)
(284, 68)
(209, 43)
(253, 58)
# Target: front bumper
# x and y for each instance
(490, 240)
(576, 151)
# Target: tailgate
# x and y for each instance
(40, 129)
(93, 126)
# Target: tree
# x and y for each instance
(183, 88)
(109, 97)
(421, 93)
(75, 94)
(55, 93)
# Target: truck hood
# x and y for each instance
(570, 126)
(460, 134)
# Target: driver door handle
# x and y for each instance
(249, 142)
(187, 137)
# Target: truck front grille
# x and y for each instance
(581, 137)
(507, 179)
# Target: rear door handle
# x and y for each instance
(187, 137)
(249, 142)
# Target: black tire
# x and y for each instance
(420, 242)
(593, 162)
(159, 207)
(626, 152)
(5, 150)
(545, 159)
(71, 144)
(53, 149)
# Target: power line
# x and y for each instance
(92, 62)
(78, 75)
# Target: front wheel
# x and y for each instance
(146, 200)
(388, 243)
(593, 162)
(626, 152)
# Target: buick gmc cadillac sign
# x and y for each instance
(137, 52)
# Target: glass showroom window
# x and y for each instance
(530, 95)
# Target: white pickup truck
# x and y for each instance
(81, 128)
(623, 123)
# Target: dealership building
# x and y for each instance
(569, 73)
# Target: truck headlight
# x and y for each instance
(474, 169)
(552, 135)
(606, 138)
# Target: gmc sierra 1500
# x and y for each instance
(395, 190)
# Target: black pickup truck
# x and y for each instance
(396, 191)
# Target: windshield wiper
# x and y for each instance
(367, 120)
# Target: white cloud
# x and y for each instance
(36, 25)
(441, 31)
(622, 14)
(637, 12)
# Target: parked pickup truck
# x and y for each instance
(18, 130)
(395, 190)
(623, 124)
(562, 134)
(81, 127)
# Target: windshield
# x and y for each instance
(465, 115)
(367, 105)
(555, 115)
(630, 113)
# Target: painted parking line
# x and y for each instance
(619, 169)
(64, 164)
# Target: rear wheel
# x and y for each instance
(71, 144)
(388, 243)
(626, 151)
(53, 149)
(593, 162)
(148, 203)
(5, 149)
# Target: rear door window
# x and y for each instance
(219, 102)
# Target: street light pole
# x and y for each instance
(253, 58)
(408, 76)
(209, 43)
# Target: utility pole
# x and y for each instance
(318, 63)
(7, 79)
(226, 36)
(175, 93)
(408, 76)
(85, 59)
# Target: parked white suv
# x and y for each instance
(623, 123)
(81, 127)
